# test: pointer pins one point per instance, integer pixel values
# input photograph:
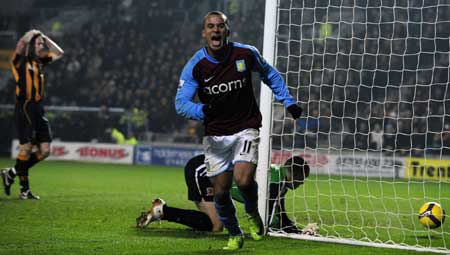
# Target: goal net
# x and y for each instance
(373, 79)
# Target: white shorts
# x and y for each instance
(221, 152)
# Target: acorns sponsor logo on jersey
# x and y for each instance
(225, 87)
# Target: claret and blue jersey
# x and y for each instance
(228, 86)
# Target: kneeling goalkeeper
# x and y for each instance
(290, 175)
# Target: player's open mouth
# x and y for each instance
(216, 40)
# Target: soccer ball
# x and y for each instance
(431, 215)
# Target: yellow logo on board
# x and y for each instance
(428, 169)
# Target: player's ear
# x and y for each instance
(203, 33)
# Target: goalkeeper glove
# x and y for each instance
(312, 229)
(295, 111)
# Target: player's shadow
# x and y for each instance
(427, 237)
(214, 252)
(10, 199)
(189, 233)
(173, 232)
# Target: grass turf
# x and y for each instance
(88, 208)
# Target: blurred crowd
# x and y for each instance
(367, 80)
(371, 76)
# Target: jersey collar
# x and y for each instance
(215, 61)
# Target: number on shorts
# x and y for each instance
(247, 147)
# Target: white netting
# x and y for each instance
(373, 80)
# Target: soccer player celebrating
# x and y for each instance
(32, 127)
(200, 191)
(221, 75)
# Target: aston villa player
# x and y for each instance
(221, 75)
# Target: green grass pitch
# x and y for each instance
(88, 208)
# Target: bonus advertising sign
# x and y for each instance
(94, 152)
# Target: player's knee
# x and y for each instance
(24, 151)
(44, 151)
(242, 180)
(247, 186)
(22, 172)
(44, 155)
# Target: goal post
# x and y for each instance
(373, 80)
(264, 150)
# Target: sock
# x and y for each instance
(22, 172)
(250, 195)
(227, 213)
(34, 158)
(24, 184)
(191, 218)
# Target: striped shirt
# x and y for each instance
(29, 77)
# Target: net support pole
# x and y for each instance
(265, 107)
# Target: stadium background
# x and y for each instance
(129, 54)
(125, 54)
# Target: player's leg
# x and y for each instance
(224, 204)
(245, 158)
(226, 210)
(20, 169)
(27, 158)
(39, 153)
(244, 173)
(161, 211)
(196, 220)
(201, 191)
(244, 177)
(209, 209)
(42, 137)
(218, 160)
(36, 128)
(24, 129)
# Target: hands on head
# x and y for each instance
(30, 34)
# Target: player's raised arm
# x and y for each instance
(55, 51)
(22, 48)
(273, 79)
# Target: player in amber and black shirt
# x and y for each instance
(32, 127)
(221, 75)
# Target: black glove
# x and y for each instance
(295, 111)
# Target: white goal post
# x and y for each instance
(373, 79)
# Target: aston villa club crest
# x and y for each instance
(240, 65)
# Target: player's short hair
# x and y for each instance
(218, 13)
